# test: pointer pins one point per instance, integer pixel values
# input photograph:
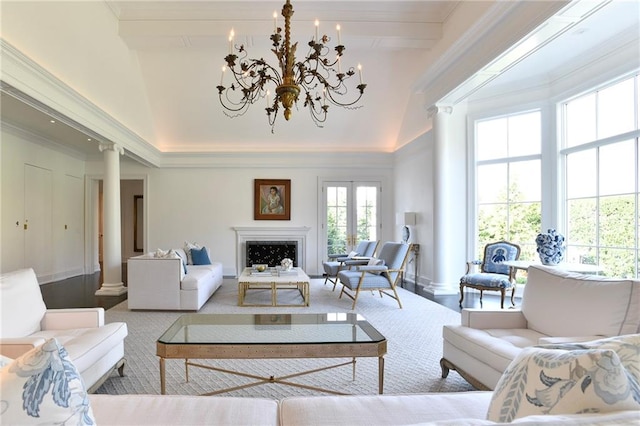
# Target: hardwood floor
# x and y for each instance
(79, 292)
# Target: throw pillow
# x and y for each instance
(627, 347)
(160, 254)
(551, 381)
(43, 386)
(374, 262)
(352, 254)
(187, 249)
(200, 256)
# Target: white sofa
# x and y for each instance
(557, 306)
(599, 384)
(94, 347)
(464, 408)
(163, 284)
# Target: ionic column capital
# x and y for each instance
(110, 146)
(438, 109)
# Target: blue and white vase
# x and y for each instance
(550, 247)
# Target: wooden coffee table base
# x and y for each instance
(302, 287)
(273, 352)
(284, 380)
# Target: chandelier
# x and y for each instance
(319, 76)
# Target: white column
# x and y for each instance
(445, 245)
(112, 245)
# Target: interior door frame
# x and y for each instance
(92, 213)
(322, 208)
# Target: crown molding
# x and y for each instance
(26, 80)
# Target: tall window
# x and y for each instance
(508, 194)
(602, 160)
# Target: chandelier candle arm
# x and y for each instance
(315, 75)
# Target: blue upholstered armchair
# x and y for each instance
(493, 275)
(341, 261)
(379, 274)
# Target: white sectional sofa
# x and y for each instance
(557, 307)
(464, 408)
(170, 283)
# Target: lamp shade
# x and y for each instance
(409, 218)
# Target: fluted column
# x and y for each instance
(112, 246)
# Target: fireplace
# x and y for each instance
(246, 237)
(270, 252)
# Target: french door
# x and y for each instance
(351, 214)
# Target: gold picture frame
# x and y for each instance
(272, 199)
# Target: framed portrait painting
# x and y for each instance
(272, 199)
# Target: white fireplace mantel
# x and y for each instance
(263, 233)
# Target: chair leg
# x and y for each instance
(393, 287)
(461, 294)
(502, 298)
(355, 298)
(513, 292)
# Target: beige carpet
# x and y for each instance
(414, 336)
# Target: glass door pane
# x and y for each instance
(352, 214)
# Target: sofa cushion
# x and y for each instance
(183, 410)
(44, 387)
(555, 381)
(196, 274)
(559, 303)
(86, 346)
(21, 298)
(493, 347)
(200, 256)
(366, 410)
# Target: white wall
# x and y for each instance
(203, 204)
(413, 192)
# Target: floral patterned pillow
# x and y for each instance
(557, 381)
(43, 387)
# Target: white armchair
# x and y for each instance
(96, 348)
(557, 307)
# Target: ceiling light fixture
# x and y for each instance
(320, 78)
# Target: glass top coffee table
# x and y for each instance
(265, 336)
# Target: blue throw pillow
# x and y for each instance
(200, 256)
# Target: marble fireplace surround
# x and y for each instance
(264, 233)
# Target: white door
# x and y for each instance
(38, 220)
(351, 214)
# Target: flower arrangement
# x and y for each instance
(287, 264)
(550, 247)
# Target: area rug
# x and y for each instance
(414, 349)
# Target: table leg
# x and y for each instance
(162, 378)
(380, 375)
(353, 373)
(274, 296)
(307, 293)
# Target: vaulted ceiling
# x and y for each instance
(153, 66)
